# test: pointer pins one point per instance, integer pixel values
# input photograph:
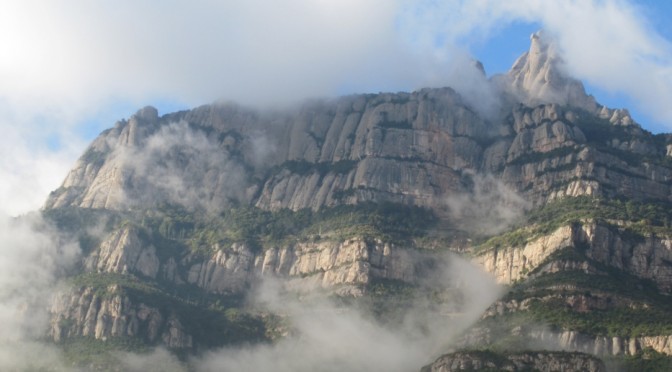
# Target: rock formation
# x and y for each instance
(531, 361)
(183, 213)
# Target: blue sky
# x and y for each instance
(71, 68)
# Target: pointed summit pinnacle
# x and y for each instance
(538, 77)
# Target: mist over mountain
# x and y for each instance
(509, 223)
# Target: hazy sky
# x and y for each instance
(71, 68)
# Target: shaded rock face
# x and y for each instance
(574, 341)
(107, 314)
(529, 361)
(123, 252)
(604, 345)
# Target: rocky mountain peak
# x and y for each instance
(147, 113)
(371, 198)
(538, 77)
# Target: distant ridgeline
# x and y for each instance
(565, 203)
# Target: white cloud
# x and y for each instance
(28, 168)
(32, 257)
(64, 61)
(326, 336)
(488, 206)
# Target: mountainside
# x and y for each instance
(390, 204)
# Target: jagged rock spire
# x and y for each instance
(538, 77)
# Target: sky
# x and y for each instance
(71, 68)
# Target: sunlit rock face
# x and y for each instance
(537, 77)
(415, 149)
(345, 266)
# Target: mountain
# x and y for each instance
(385, 203)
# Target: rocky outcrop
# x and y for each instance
(97, 179)
(604, 345)
(175, 335)
(592, 248)
(228, 270)
(644, 257)
(538, 77)
(394, 146)
(103, 314)
(539, 337)
(509, 264)
(527, 361)
(427, 148)
(123, 252)
(343, 265)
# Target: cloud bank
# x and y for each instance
(326, 336)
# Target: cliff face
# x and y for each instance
(345, 266)
(129, 289)
(532, 361)
(573, 341)
(645, 258)
(408, 148)
(412, 148)
(110, 314)
(402, 147)
(580, 288)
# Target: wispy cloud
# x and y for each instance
(32, 257)
(487, 206)
(326, 336)
(182, 166)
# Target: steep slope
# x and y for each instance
(587, 275)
